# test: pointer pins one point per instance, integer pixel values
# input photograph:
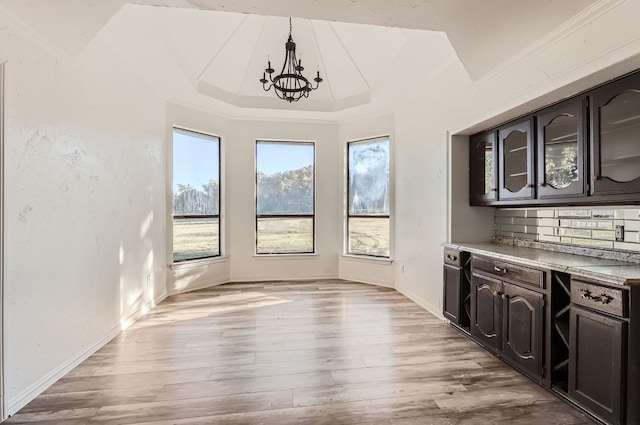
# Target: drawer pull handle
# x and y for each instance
(602, 298)
(452, 257)
(498, 294)
(500, 270)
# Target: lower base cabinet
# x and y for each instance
(596, 380)
(578, 337)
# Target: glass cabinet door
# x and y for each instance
(615, 137)
(483, 188)
(561, 150)
(516, 161)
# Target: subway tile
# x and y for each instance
(565, 223)
(608, 235)
(551, 222)
(525, 236)
(627, 246)
(602, 213)
(581, 233)
(574, 213)
(628, 214)
(592, 243)
(632, 225)
(549, 238)
(546, 230)
(525, 221)
(503, 220)
(514, 213)
(532, 230)
(518, 228)
(631, 236)
(541, 213)
(592, 224)
(566, 240)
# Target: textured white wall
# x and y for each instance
(84, 212)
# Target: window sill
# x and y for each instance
(286, 256)
(199, 262)
(367, 259)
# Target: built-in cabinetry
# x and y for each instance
(507, 311)
(578, 337)
(457, 287)
(553, 157)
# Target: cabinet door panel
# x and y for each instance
(596, 378)
(522, 327)
(452, 294)
(482, 163)
(485, 311)
(516, 161)
(562, 150)
(615, 137)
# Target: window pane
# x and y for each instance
(196, 192)
(284, 178)
(196, 173)
(369, 236)
(369, 177)
(195, 238)
(285, 235)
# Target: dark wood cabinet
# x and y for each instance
(506, 317)
(596, 379)
(483, 184)
(522, 327)
(561, 146)
(456, 288)
(584, 150)
(485, 311)
(515, 167)
(615, 138)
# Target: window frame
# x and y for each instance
(189, 216)
(285, 216)
(349, 216)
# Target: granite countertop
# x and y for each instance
(614, 272)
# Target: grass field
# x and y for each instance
(198, 238)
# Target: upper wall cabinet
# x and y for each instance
(561, 150)
(516, 179)
(483, 186)
(615, 138)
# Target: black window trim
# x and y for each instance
(259, 216)
(348, 200)
(188, 216)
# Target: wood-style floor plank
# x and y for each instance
(293, 353)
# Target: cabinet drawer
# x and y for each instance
(509, 271)
(602, 298)
(453, 257)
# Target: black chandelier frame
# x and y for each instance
(290, 84)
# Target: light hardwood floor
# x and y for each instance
(289, 353)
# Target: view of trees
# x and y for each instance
(288, 192)
(188, 200)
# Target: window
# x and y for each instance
(196, 195)
(368, 198)
(285, 185)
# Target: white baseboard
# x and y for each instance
(203, 285)
(416, 299)
(24, 397)
(277, 279)
(367, 281)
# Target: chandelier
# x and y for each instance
(290, 85)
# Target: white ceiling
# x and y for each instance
(370, 52)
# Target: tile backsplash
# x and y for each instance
(585, 227)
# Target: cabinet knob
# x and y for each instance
(531, 185)
(542, 184)
(500, 270)
(505, 296)
(594, 178)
